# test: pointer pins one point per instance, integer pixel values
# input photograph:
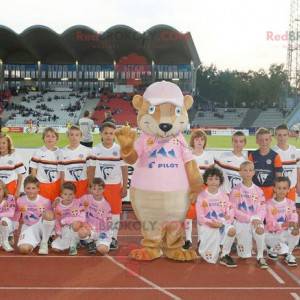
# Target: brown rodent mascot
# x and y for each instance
(166, 178)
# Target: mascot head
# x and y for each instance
(162, 110)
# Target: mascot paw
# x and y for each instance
(125, 137)
(181, 255)
(145, 254)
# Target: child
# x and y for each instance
(204, 160)
(12, 168)
(44, 165)
(290, 158)
(267, 163)
(215, 215)
(7, 211)
(229, 162)
(70, 218)
(98, 214)
(37, 217)
(106, 163)
(249, 209)
(282, 223)
(73, 162)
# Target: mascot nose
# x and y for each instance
(165, 126)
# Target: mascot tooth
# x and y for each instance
(166, 178)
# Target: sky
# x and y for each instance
(231, 34)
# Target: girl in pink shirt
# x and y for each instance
(99, 218)
(215, 215)
(7, 211)
(70, 218)
(249, 210)
(282, 223)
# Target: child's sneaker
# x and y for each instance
(43, 248)
(91, 247)
(272, 255)
(73, 250)
(291, 260)
(262, 263)
(228, 261)
(187, 245)
(114, 244)
(7, 247)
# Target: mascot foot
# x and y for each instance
(181, 255)
(145, 254)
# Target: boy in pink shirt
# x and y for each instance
(37, 217)
(282, 223)
(7, 211)
(249, 210)
(98, 217)
(70, 218)
(215, 215)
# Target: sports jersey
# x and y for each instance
(161, 158)
(290, 162)
(8, 207)
(31, 210)
(248, 203)
(204, 161)
(74, 163)
(230, 166)
(214, 207)
(98, 213)
(11, 166)
(266, 167)
(108, 163)
(280, 212)
(67, 214)
(46, 163)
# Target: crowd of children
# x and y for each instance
(74, 195)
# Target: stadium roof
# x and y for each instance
(161, 43)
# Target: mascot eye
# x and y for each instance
(151, 110)
(178, 111)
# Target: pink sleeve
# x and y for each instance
(17, 214)
(261, 211)
(201, 211)
(293, 216)
(238, 214)
(271, 222)
(229, 210)
(187, 154)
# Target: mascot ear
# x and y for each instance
(137, 102)
(188, 101)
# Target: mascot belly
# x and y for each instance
(166, 178)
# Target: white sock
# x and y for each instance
(47, 229)
(260, 244)
(188, 225)
(4, 232)
(292, 242)
(74, 238)
(198, 231)
(115, 225)
(228, 241)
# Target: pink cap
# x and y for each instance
(164, 92)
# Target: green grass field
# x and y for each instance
(28, 140)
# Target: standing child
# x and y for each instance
(290, 158)
(106, 163)
(37, 217)
(70, 224)
(98, 216)
(44, 165)
(229, 162)
(282, 223)
(12, 168)
(267, 163)
(249, 209)
(7, 211)
(215, 215)
(204, 160)
(73, 162)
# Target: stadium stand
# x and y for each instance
(269, 118)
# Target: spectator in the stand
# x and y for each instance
(86, 125)
(108, 117)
